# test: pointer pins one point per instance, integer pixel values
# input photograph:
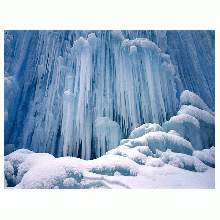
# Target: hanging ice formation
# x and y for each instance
(68, 92)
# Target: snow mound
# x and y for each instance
(144, 129)
(190, 98)
(154, 162)
(17, 157)
(53, 173)
(187, 127)
(109, 164)
(201, 115)
(183, 161)
(30, 161)
(132, 153)
(161, 141)
(207, 156)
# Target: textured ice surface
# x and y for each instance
(68, 79)
(187, 127)
(206, 123)
(193, 56)
(108, 134)
(57, 83)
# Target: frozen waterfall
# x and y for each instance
(61, 85)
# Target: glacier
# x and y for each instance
(79, 93)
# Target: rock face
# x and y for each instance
(60, 85)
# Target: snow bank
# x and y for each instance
(183, 161)
(30, 161)
(53, 173)
(207, 156)
(43, 171)
(109, 164)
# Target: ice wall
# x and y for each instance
(57, 83)
(193, 56)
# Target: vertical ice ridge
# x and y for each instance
(71, 78)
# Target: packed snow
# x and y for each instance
(111, 171)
